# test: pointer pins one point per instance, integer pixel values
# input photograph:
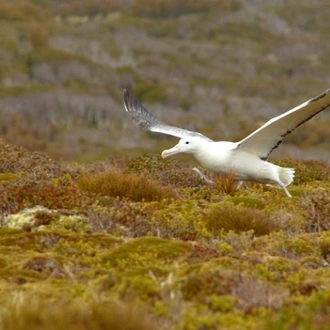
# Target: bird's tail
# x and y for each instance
(286, 175)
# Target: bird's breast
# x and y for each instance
(217, 156)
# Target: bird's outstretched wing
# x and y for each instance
(147, 121)
(269, 136)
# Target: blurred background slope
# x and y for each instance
(222, 67)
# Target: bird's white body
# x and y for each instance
(224, 157)
(247, 159)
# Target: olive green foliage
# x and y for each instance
(150, 250)
(314, 315)
(8, 177)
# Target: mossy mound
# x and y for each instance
(8, 177)
(146, 252)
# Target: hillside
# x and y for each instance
(220, 67)
(96, 230)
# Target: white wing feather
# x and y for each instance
(269, 136)
(148, 122)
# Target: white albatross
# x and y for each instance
(247, 159)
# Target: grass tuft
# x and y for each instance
(118, 184)
(226, 184)
(239, 219)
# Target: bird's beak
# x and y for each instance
(170, 152)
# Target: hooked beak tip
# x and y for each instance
(169, 152)
(164, 154)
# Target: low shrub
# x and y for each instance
(118, 184)
(239, 219)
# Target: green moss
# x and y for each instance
(146, 252)
(8, 177)
(245, 201)
(20, 239)
(324, 244)
(302, 315)
(198, 317)
(77, 223)
(160, 309)
(223, 304)
(144, 287)
(301, 245)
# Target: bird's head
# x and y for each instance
(185, 146)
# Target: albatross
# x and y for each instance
(247, 159)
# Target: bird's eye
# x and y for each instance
(187, 142)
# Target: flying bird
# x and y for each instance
(247, 159)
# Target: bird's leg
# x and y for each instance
(203, 177)
(238, 184)
(284, 188)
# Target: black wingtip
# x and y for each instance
(318, 97)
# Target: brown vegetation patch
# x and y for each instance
(61, 313)
(118, 184)
(170, 172)
(316, 206)
(226, 184)
(20, 195)
(307, 171)
(239, 219)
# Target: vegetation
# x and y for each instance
(131, 186)
(107, 244)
